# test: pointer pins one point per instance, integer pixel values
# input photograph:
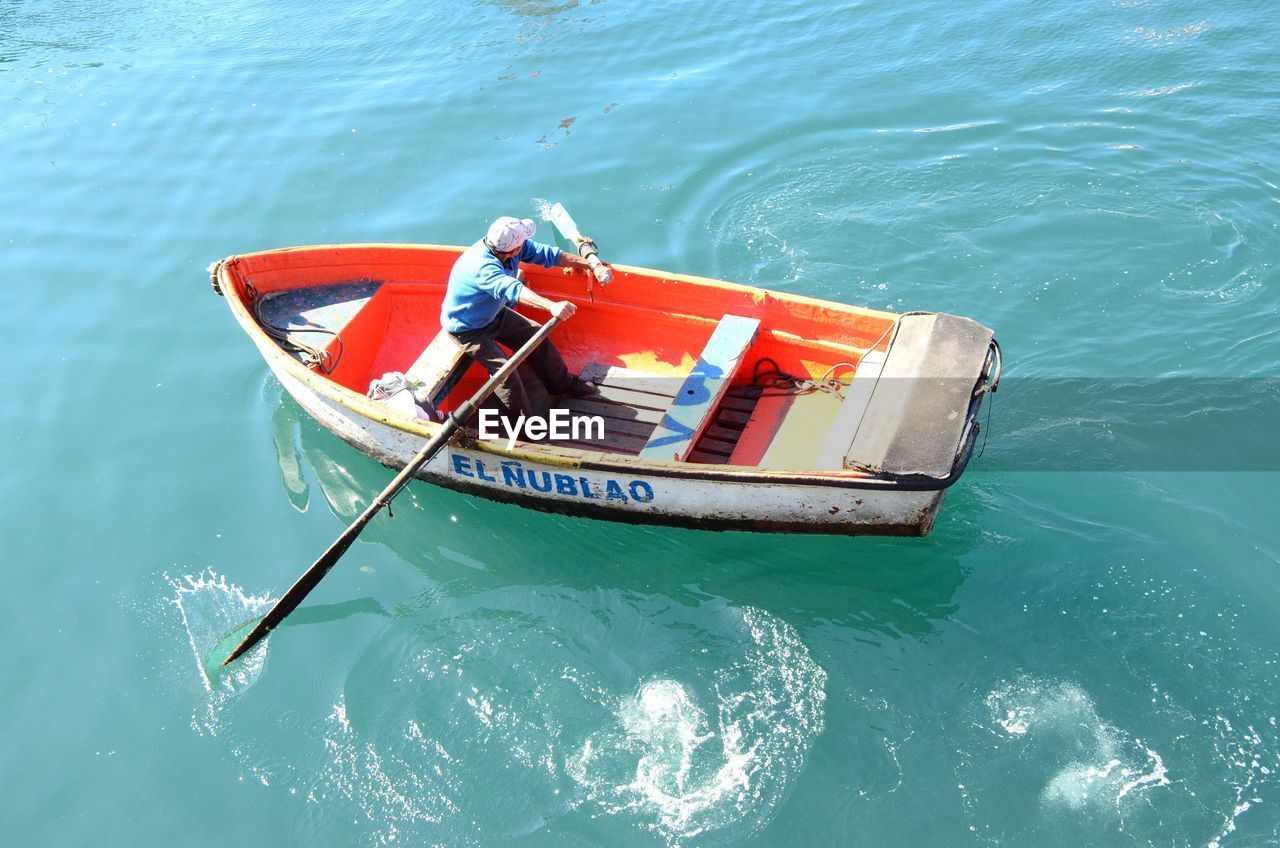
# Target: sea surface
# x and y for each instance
(1082, 653)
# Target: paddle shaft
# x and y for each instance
(322, 566)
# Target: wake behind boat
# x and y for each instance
(718, 406)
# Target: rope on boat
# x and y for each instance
(213, 269)
(319, 358)
(996, 366)
(774, 381)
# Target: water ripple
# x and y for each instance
(692, 725)
(672, 768)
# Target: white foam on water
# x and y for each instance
(1245, 752)
(542, 208)
(675, 730)
(211, 607)
(1108, 765)
(462, 733)
(683, 761)
(1027, 703)
(1171, 36)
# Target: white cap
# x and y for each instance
(507, 233)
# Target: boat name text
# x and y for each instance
(514, 475)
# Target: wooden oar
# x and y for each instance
(313, 575)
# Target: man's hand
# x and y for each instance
(558, 308)
(602, 272)
(574, 264)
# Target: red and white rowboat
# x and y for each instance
(723, 406)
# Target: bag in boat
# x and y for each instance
(395, 390)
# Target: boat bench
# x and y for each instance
(695, 402)
(438, 369)
(907, 408)
(857, 399)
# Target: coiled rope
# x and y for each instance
(774, 381)
(319, 358)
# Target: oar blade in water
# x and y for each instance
(218, 655)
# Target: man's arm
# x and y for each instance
(574, 261)
(558, 308)
(549, 256)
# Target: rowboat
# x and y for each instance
(718, 406)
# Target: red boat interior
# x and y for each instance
(645, 339)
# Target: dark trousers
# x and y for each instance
(511, 330)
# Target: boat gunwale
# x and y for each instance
(554, 455)
(755, 291)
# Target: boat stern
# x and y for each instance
(920, 419)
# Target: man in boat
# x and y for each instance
(483, 286)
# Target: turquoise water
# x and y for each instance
(1071, 658)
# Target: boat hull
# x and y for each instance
(634, 496)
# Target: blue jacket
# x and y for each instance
(480, 285)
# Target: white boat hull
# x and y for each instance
(705, 497)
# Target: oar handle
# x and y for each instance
(587, 250)
(313, 575)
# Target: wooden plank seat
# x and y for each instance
(632, 403)
(438, 369)
(696, 401)
(857, 398)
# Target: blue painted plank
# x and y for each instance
(698, 397)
